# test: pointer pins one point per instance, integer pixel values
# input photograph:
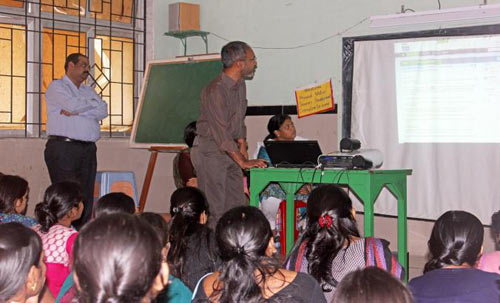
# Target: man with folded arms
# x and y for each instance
(74, 111)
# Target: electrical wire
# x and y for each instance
(439, 4)
(300, 45)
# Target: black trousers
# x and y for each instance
(77, 162)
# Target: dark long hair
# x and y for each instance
(59, 199)
(11, 189)
(190, 133)
(186, 206)
(116, 259)
(373, 285)
(242, 235)
(20, 248)
(324, 241)
(274, 124)
(456, 238)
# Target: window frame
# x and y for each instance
(35, 21)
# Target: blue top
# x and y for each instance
(83, 101)
(456, 285)
(26, 221)
(176, 291)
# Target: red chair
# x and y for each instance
(282, 223)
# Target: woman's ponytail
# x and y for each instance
(187, 204)
(59, 199)
(44, 216)
(330, 225)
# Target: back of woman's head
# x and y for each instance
(242, 235)
(495, 227)
(456, 239)
(371, 284)
(187, 204)
(190, 133)
(20, 249)
(59, 199)
(330, 224)
(114, 203)
(12, 188)
(274, 124)
(116, 259)
(159, 225)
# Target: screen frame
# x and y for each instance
(348, 53)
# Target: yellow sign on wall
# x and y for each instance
(314, 99)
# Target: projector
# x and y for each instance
(362, 159)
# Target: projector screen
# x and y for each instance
(431, 105)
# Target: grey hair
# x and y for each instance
(232, 52)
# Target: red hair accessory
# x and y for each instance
(325, 220)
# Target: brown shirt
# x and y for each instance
(222, 114)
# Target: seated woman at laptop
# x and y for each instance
(281, 128)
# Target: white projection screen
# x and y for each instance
(432, 104)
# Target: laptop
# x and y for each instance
(295, 154)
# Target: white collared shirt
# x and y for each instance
(84, 101)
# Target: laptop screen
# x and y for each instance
(293, 153)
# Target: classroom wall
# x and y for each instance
(292, 24)
(24, 157)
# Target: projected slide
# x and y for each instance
(448, 90)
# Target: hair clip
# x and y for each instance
(175, 210)
(325, 220)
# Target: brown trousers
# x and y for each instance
(221, 179)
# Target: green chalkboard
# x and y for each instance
(170, 99)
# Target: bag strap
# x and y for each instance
(294, 259)
(377, 254)
(198, 284)
(68, 283)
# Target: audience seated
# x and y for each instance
(280, 128)
(373, 285)
(22, 269)
(192, 251)
(331, 246)
(491, 261)
(62, 204)
(249, 270)
(449, 276)
(14, 197)
(184, 174)
(176, 291)
(118, 258)
(114, 203)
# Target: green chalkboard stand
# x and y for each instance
(169, 100)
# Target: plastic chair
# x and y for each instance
(115, 181)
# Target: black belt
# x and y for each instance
(66, 139)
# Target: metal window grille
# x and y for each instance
(37, 35)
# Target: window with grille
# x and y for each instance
(37, 35)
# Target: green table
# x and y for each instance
(366, 185)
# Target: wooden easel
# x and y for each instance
(151, 167)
